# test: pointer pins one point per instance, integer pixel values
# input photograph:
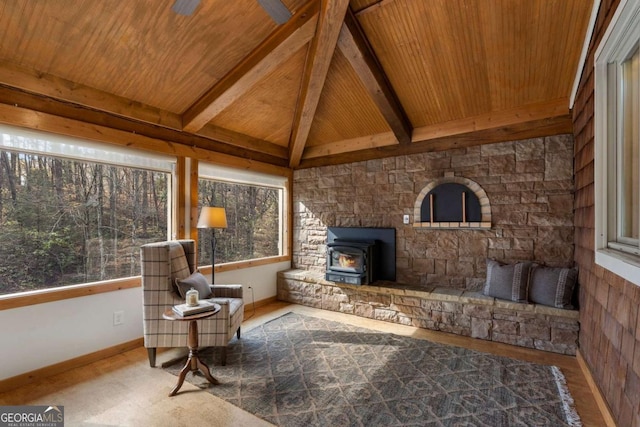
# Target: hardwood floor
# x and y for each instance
(124, 391)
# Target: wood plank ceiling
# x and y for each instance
(340, 81)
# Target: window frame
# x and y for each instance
(228, 174)
(621, 39)
(69, 147)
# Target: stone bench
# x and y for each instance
(441, 309)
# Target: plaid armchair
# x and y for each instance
(162, 263)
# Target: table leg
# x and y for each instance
(194, 363)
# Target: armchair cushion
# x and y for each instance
(196, 281)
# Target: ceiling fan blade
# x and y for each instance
(185, 7)
(276, 10)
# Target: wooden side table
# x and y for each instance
(194, 363)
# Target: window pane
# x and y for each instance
(66, 222)
(630, 150)
(253, 222)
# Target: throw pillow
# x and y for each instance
(196, 281)
(553, 286)
(507, 281)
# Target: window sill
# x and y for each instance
(24, 299)
(624, 265)
(238, 265)
(41, 296)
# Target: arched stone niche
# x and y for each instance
(452, 202)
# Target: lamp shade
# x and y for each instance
(212, 217)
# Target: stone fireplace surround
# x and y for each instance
(529, 185)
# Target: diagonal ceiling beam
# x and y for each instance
(332, 14)
(356, 49)
(273, 51)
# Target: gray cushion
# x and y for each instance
(196, 281)
(507, 281)
(552, 286)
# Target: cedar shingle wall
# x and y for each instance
(610, 324)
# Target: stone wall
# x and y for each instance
(455, 311)
(610, 305)
(530, 188)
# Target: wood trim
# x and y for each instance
(180, 198)
(356, 49)
(494, 120)
(287, 221)
(41, 296)
(239, 265)
(31, 119)
(582, 63)
(348, 145)
(194, 176)
(58, 368)
(250, 307)
(315, 72)
(595, 390)
(283, 43)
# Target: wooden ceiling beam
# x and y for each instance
(59, 88)
(357, 50)
(330, 20)
(243, 141)
(31, 119)
(348, 145)
(283, 43)
(519, 131)
(44, 104)
(67, 91)
(494, 120)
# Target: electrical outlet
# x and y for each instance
(405, 219)
(118, 318)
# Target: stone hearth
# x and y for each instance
(444, 309)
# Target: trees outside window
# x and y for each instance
(253, 221)
(68, 221)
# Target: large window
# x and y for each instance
(617, 139)
(254, 208)
(75, 212)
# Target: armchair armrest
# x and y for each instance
(227, 291)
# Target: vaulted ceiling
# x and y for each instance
(340, 81)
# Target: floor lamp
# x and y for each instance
(212, 217)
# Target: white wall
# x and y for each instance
(40, 335)
(263, 280)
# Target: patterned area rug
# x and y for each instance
(298, 370)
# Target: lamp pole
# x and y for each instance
(213, 254)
